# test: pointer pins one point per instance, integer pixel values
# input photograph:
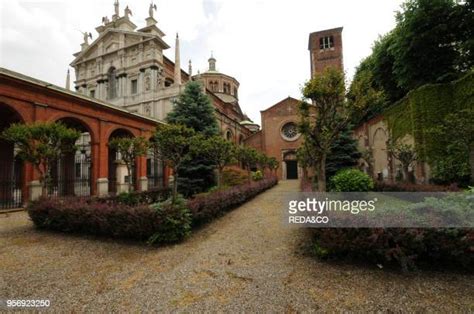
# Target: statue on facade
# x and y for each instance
(150, 10)
(127, 12)
(105, 20)
(86, 35)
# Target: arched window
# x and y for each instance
(229, 135)
(112, 78)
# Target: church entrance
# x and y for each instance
(291, 170)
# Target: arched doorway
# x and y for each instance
(118, 178)
(72, 174)
(291, 165)
(11, 167)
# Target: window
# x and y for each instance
(134, 86)
(92, 93)
(112, 87)
(289, 131)
(228, 135)
(326, 42)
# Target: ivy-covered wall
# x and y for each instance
(426, 107)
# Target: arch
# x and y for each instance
(229, 135)
(77, 123)
(73, 173)
(11, 168)
(117, 176)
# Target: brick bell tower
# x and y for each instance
(325, 50)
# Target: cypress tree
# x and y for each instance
(194, 110)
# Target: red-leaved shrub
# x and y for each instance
(205, 207)
(402, 246)
(93, 216)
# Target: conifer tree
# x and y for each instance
(194, 110)
(344, 153)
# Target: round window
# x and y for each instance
(290, 131)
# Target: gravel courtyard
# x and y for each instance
(245, 261)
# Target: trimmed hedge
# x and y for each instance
(135, 198)
(95, 217)
(404, 247)
(208, 206)
(412, 187)
(145, 216)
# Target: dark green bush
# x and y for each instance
(351, 180)
(176, 220)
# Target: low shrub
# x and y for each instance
(351, 180)
(232, 176)
(401, 246)
(158, 224)
(409, 247)
(412, 187)
(206, 207)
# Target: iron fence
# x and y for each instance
(11, 184)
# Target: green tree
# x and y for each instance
(194, 110)
(248, 157)
(217, 150)
(427, 45)
(42, 144)
(328, 116)
(172, 143)
(273, 164)
(344, 153)
(129, 149)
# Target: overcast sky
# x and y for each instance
(262, 43)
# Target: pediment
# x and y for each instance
(110, 40)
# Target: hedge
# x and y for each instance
(205, 207)
(145, 216)
(412, 187)
(95, 217)
(406, 247)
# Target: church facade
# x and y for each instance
(126, 66)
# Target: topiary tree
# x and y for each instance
(218, 151)
(328, 116)
(129, 149)
(172, 143)
(194, 110)
(42, 144)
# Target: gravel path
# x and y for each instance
(245, 261)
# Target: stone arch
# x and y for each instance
(73, 173)
(12, 171)
(118, 178)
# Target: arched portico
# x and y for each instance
(11, 168)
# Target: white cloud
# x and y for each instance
(263, 43)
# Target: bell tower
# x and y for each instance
(325, 50)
